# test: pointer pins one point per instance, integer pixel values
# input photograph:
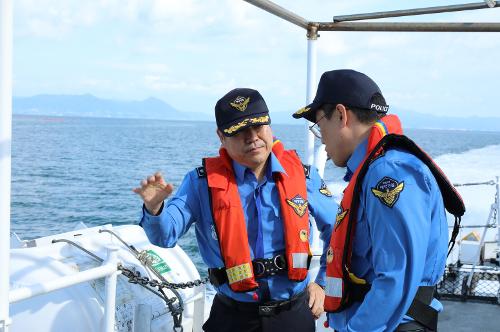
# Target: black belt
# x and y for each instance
(262, 267)
(263, 309)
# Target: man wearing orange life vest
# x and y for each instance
(250, 207)
(388, 249)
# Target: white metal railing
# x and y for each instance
(108, 270)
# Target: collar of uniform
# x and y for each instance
(356, 159)
(273, 166)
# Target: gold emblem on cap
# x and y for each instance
(240, 103)
(302, 110)
(303, 235)
(329, 255)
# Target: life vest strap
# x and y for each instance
(262, 267)
(420, 309)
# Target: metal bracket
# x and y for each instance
(312, 32)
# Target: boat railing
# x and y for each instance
(108, 270)
(476, 280)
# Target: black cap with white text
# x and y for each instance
(347, 87)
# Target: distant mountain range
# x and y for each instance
(88, 105)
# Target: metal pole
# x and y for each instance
(199, 308)
(312, 37)
(416, 11)
(23, 293)
(5, 155)
(409, 27)
(320, 160)
(497, 199)
(110, 289)
(477, 257)
(279, 11)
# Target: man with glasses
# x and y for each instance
(388, 249)
(250, 207)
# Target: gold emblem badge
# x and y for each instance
(298, 204)
(324, 189)
(329, 255)
(240, 103)
(387, 191)
(340, 216)
(303, 235)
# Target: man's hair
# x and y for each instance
(364, 116)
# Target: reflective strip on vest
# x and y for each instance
(239, 273)
(333, 287)
(299, 260)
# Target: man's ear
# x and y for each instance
(221, 136)
(342, 113)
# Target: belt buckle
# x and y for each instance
(259, 267)
(266, 310)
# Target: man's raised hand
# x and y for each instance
(153, 191)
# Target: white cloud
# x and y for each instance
(215, 87)
(206, 47)
(158, 68)
(51, 18)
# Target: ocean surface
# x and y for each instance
(67, 171)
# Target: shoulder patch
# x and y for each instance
(201, 172)
(307, 170)
(341, 213)
(387, 190)
(324, 189)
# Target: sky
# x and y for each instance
(189, 53)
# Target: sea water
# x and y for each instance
(68, 170)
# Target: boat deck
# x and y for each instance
(469, 316)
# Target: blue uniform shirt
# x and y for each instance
(399, 244)
(260, 201)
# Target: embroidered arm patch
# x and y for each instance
(341, 213)
(387, 191)
(298, 204)
(324, 189)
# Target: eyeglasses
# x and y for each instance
(314, 128)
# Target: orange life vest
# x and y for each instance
(342, 286)
(229, 218)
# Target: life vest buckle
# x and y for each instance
(264, 267)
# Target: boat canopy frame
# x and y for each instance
(343, 22)
(317, 156)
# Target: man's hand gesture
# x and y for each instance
(153, 191)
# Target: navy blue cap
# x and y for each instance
(347, 87)
(241, 108)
